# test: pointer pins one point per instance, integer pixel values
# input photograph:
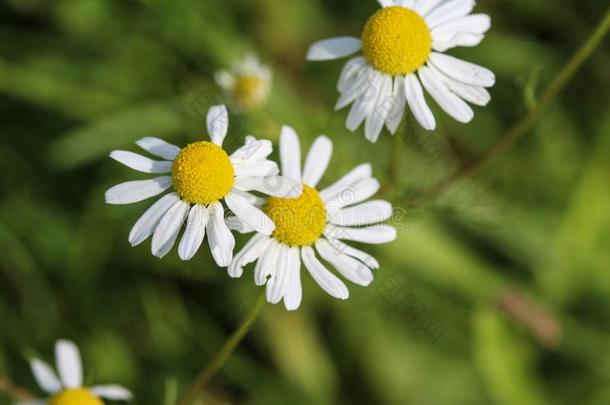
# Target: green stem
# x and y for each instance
(222, 355)
(518, 130)
(14, 391)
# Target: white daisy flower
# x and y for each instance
(248, 83)
(67, 389)
(316, 221)
(202, 176)
(403, 47)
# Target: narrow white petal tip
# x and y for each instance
(223, 259)
(333, 48)
(185, 258)
(112, 392)
(217, 122)
(291, 308)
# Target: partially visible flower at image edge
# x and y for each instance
(202, 175)
(403, 47)
(248, 83)
(67, 389)
(316, 222)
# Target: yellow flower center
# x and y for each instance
(79, 396)
(298, 221)
(246, 90)
(396, 41)
(202, 173)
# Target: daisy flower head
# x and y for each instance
(202, 176)
(248, 83)
(67, 389)
(316, 222)
(403, 47)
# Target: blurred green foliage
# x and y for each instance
(79, 78)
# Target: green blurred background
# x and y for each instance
(496, 292)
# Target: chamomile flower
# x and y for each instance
(316, 222)
(403, 47)
(67, 389)
(248, 83)
(202, 175)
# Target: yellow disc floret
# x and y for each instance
(79, 396)
(202, 173)
(298, 221)
(396, 41)
(247, 90)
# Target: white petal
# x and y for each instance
(141, 163)
(267, 263)
(358, 173)
(464, 39)
(449, 102)
(252, 199)
(290, 154)
(278, 283)
(224, 79)
(235, 224)
(375, 235)
(252, 151)
(365, 103)
(350, 71)
(261, 168)
(112, 392)
(135, 191)
(356, 86)
(465, 72)
(146, 224)
(386, 3)
(370, 212)
(167, 231)
(294, 291)
(398, 105)
(471, 24)
(218, 123)
(405, 3)
(325, 279)
(417, 103)
(364, 257)
(317, 160)
(276, 186)
(448, 11)
(45, 376)
(423, 7)
(249, 214)
(159, 147)
(383, 106)
(333, 48)
(473, 94)
(251, 252)
(194, 233)
(350, 268)
(69, 364)
(353, 194)
(220, 237)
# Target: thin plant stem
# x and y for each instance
(223, 354)
(13, 390)
(518, 130)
